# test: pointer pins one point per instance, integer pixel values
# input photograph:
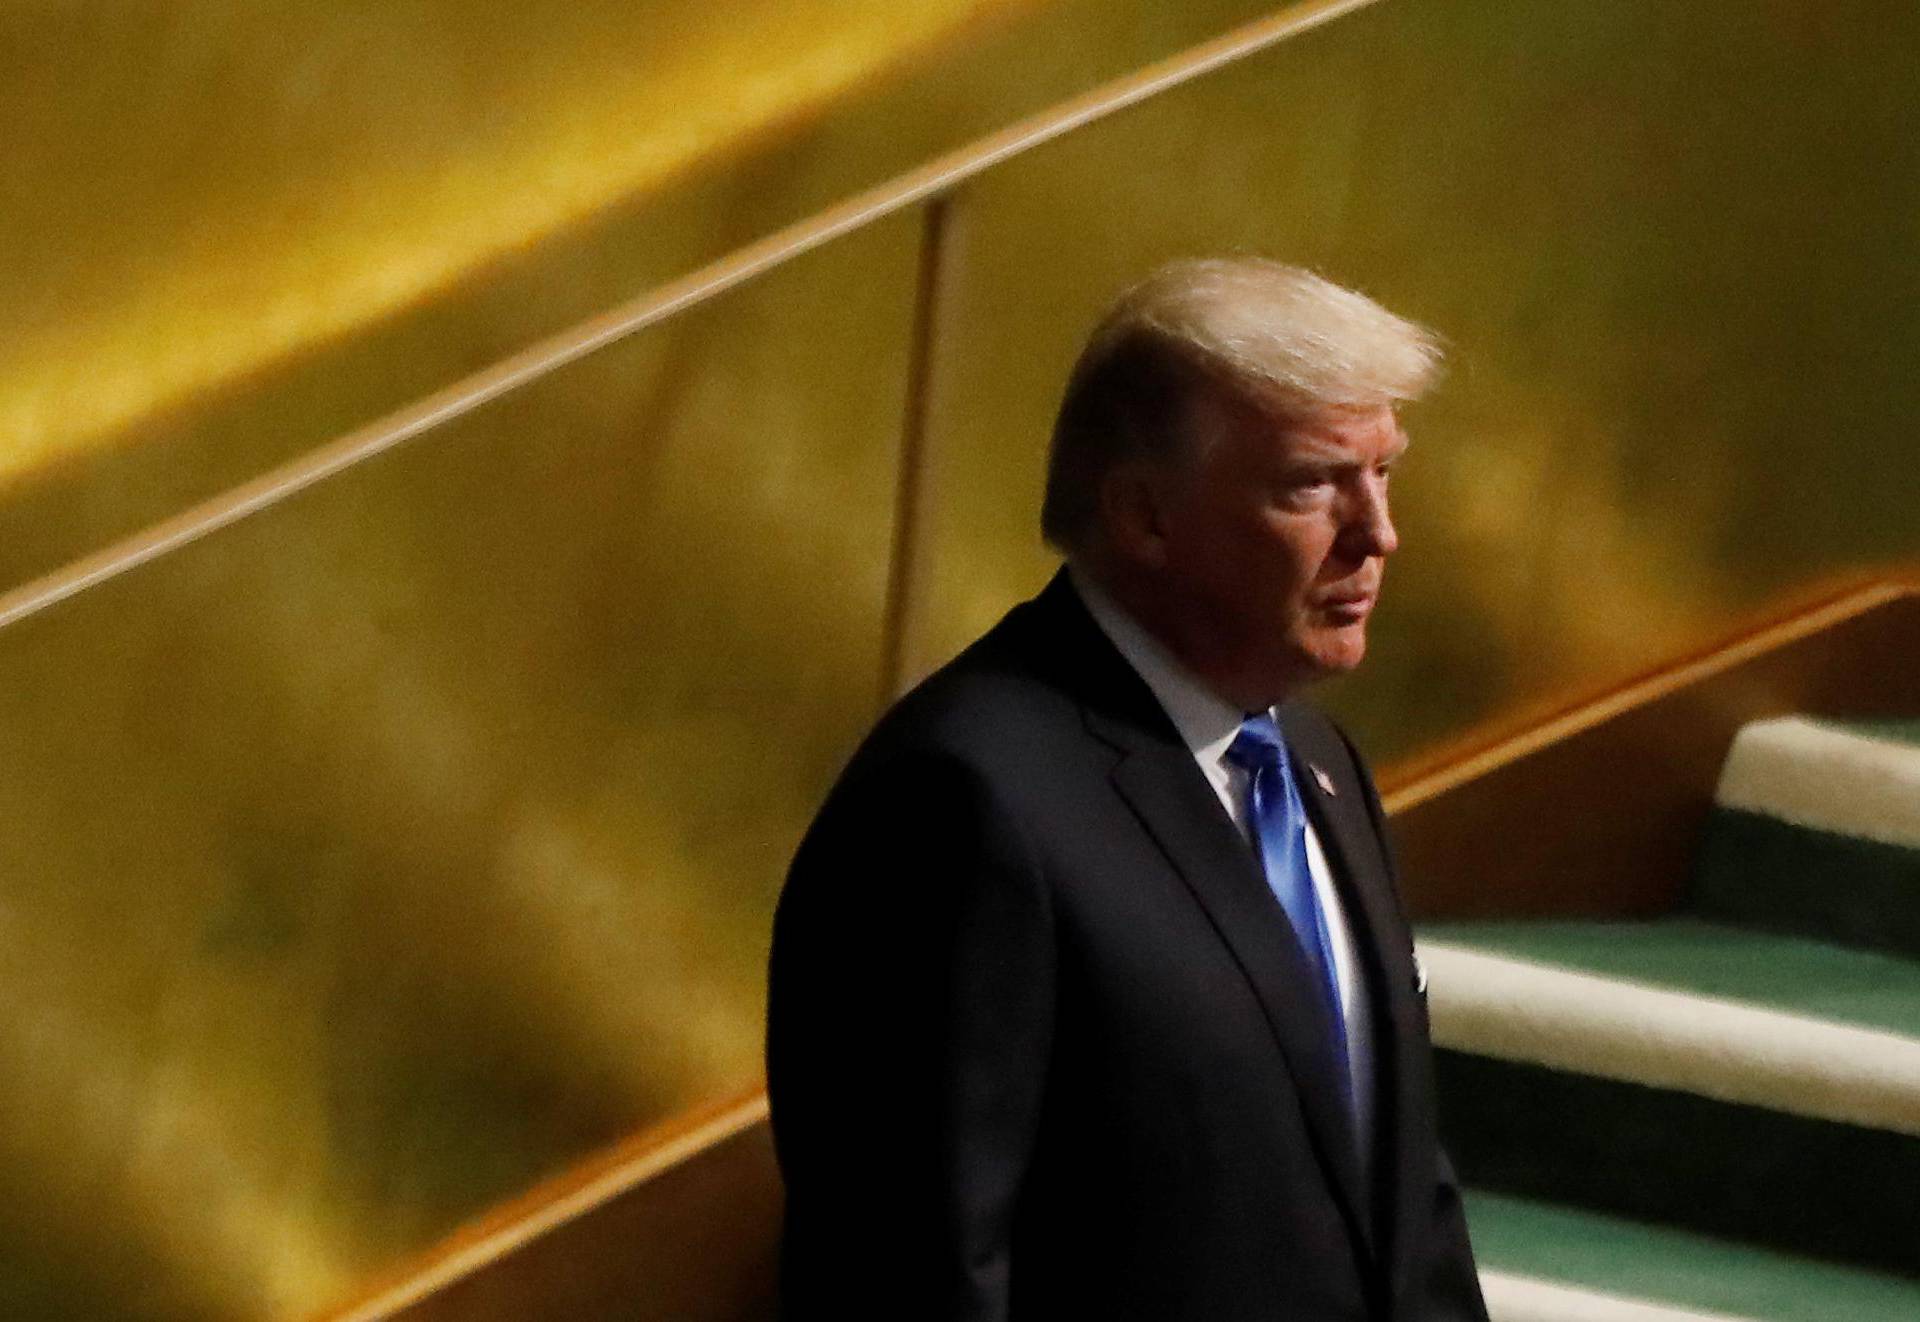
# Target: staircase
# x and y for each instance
(1713, 1113)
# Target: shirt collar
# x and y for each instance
(1207, 723)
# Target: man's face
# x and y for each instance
(1271, 543)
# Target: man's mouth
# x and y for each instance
(1348, 607)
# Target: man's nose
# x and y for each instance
(1370, 529)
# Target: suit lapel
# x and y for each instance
(1159, 781)
(1174, 802)
(1356, 853)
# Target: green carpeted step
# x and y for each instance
(1798, 1184)
(1857, 779)
(1816, 830)
(1535, 1240)
(1750, 1085)
(1707, 1115)
(1790, 974)
(1772, 874)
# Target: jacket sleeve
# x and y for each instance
(909, 1022)
(1453, 1281)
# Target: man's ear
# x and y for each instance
(1131, 514)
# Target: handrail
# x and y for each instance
(939, 176)
(1474, 756)
(566, 1197)
(1599, 807)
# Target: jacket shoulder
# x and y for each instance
(983, 708)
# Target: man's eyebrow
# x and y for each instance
(1309, 453)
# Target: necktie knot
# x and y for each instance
(1257, 745)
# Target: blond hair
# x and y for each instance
(1248, 324)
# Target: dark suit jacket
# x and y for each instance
(1041, 1044)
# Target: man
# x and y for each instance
(1090, 995)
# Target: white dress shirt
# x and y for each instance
(1208, 724)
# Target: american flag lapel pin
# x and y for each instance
(1323, 780)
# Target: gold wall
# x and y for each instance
(395, 848)
(235, 231)
(402, 845)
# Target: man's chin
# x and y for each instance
(1337, 649)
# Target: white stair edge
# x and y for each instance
(1825, 777)
(1529, 1299)
(1581, 1023)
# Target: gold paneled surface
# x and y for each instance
(235, 231)
(410, 841)
(209, 186)
(1675, 250)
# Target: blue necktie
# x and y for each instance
(1279, 831)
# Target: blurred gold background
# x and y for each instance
(380, 855)
(237, 231)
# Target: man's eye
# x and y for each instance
(1303, 491)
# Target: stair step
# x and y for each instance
(1765, 1020)
(1860, 779)
(1747, 1085)
(1816, 830)
(1695, 957)
(1541, 1260)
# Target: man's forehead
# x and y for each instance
(1266, 423)
(1340, 435)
